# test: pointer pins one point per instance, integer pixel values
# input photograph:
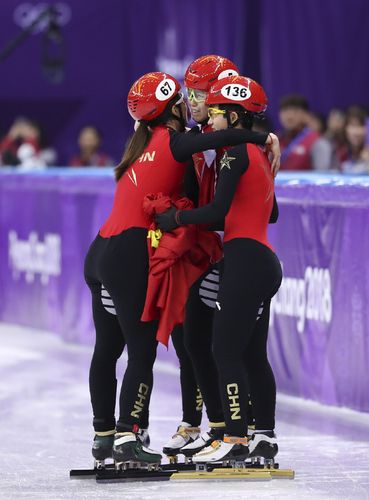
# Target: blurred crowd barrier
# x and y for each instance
(319, 332)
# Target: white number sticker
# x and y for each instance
(227, 72)
(236, 92)
(165, 90)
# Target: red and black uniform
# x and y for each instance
(192, 341)
(205, 166)
(252, 275)
(200, 306)
(117, 263)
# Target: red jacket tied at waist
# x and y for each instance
(182, 256)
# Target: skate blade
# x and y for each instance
(128, 465)
(86, 473)
(82, 473)
(244, 474)
(132, 475)
(276, 473)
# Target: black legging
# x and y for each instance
(191, 396)
(120, 264)
(252, 275)
(198, 330)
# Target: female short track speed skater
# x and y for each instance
(199, 77)
(252, 275)
(116, 265)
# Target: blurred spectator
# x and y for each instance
(23, 146)
(330, 150)
(20, 146)
(47, 154)
(316, 122)
(357, 132)
(89, 140)
(296, 138)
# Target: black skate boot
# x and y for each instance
(129, 452)
(263, 445)
(205, 439)
(102, 448)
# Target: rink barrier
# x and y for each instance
(319, 335)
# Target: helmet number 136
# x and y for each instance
(236, 92)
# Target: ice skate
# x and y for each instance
(129, 452)
(185, 434)
(102, 448)
(203, 440)
(144, 437)
(231, 450)
(263, 446)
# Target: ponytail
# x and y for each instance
(134, 149)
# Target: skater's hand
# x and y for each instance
(273, 147)
(167, 220)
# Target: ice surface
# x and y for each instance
(46, 430)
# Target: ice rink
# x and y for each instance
(46, 428)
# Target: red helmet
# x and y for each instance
(206, 70)
(149, 95)
(238, 90)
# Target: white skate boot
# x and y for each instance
(185, 434)
(203, 440)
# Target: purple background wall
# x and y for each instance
(319, 336)
(318, 48)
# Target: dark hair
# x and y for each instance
(294, 101)
(141, 139)
(246, 118)
(262, 123)
(356, 113)
(134, 149)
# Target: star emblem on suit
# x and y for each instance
(225, 161)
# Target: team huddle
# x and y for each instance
(211, 188)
